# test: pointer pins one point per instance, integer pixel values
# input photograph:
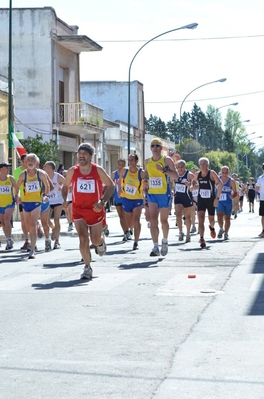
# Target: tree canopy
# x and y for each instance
(224, 142)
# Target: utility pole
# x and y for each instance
(10, 91)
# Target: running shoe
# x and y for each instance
(155, 252)
(124, 238)
(164, 247)
(29, 248)
(131, 231)
(31, 255)
(212, 231)
(70, 227)
(128, 235)
(181, 235)
(106, 230)
(101, 249)
(188, 238)
(56, 245)
(9, 244)
(87, 273)
(193, 229)
(202, 243)
(220, 233)
(25, 246)
(135, 246)
(47, 245)
(149, 225)
(226, 237)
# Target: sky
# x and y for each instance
(227, 43)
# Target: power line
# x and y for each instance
(204, 99)
(180, 40)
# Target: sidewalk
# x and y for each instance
(17, 234)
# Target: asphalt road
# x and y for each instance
(141, 328)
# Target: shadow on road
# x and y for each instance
(60, 284)
(257, 306)
(142, 265)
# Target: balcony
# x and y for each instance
(80, 118)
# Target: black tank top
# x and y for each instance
(205, 184)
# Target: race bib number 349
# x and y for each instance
(85, 186)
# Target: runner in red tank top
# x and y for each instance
(87, 181)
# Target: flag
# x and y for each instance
(15, 143)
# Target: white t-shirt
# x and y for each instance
(260, 184)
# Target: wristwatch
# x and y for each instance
(103, 201)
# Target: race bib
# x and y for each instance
(180, 188)
(32, 187)
(155, 182)
(205, 193)
(222, 197)
(195, 193)
(85, 186)
(131, 190)
(52, 196)
(5, 189)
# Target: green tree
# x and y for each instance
(156, 126)
(190, 150)
(46, 151)
(173, 128)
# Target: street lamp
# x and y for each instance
(189, 26)
(228, 105)
(205, 84)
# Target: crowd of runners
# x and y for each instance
(85, 189)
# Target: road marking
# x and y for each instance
(258, 283)
(181, 285)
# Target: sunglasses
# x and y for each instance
(155, 145)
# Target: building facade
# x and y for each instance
(112, 96)
(45, 71)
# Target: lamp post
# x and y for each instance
(223, 106)
(205, 84)
(228, 105)
(189, 26)
(249, 141)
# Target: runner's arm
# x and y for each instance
(67, 183)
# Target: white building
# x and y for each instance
(112, 96)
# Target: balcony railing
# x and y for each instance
(80, 114)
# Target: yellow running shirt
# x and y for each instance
(32, 190)
(132, 185)
(6, 192)
(158, 181)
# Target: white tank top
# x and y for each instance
(55, 196)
